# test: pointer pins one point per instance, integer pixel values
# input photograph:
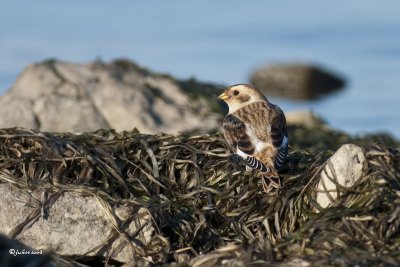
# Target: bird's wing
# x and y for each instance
(268, 124)
(241, 143)
(279, 134)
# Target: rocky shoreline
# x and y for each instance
(89, 197)
(58, 96)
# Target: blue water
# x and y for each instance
(222, 41)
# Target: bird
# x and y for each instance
(256, 131)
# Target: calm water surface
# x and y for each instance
(222, 41)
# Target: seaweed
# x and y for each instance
(208, 210)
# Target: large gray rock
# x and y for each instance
(61, 96)
(295, 81)
(344, 168)
(75, 224)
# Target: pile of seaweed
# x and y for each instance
(208, 209)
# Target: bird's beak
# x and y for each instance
(223, 96)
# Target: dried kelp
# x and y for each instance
(207, 209)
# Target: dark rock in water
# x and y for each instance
(296, 81)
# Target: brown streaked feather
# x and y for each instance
(278, 126)
(268, 123)
(278, 133)
(245, 144)
(235, 134)
(233, 129)
(267, 120)
(257, 115)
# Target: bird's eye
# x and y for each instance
(235, 92)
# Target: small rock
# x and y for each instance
(295, 81)
(345, 167)
(305, 118)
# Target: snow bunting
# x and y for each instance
(256, 131)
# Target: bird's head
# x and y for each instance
(240, 95)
